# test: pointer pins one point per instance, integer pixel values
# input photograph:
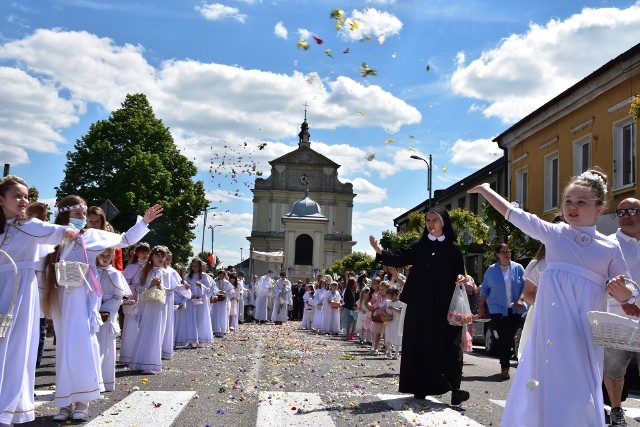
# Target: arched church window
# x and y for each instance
(304, 250)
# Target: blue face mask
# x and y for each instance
(78, 223)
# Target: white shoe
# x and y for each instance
(63, 414)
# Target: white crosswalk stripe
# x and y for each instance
(275, 408)
(498, 402)
(44, 396)
(143, 409)
(292, 409)
(427, 413)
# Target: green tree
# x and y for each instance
(33, 194)
(354, 261)
(521, 245)
(393, 241)
(462, 218)
(132, 160)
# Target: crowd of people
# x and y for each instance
(157, 307)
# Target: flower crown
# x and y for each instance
(70, 208)
(591, 176)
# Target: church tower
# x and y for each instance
(311, 233)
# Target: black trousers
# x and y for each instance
(506, 327)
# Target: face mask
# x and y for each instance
(78, 223)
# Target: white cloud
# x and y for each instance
(281, 31)
(92, 69)
(32, 115)
(474, 154)
(527, 70)
(379, 217)
(366, 192)
(381, 1)
(204, 104)
(218, 12)
(371, 22)
(304, 33)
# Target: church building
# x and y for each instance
(303, 211)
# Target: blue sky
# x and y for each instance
(451, 75)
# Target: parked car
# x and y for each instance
(485, 334)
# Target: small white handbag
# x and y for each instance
(71, 274)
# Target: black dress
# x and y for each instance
(431, 362)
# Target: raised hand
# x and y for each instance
(152, 213)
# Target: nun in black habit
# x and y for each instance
(431, 362)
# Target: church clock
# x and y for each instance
(303, 178)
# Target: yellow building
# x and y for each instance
(587, 125)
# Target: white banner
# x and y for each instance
(277, 256)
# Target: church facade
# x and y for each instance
(303, 210)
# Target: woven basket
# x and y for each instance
(6, 319)
(154, 296)
(71, 274)
(334, 304)
(130, 309)
(614, 331)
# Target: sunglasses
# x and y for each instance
(630, 211)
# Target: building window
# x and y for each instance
(461, 201)
(522, 182)
(581, 155)
(473, 203)
(624, 154)
(304, 250)
(551, 181)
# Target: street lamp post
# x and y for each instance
(428, 174)
(241, 257)
(204, 224)
(213, 227)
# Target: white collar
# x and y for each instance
(620, 235)
(433, 238)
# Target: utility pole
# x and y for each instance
(204, 224)
(429, 172)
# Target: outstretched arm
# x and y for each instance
(374, 244)
(494, 199)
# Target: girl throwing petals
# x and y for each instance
(559, 377)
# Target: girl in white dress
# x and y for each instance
(361, 323)
(114, 288)
(307, 308)
(147, 353)
(181, 295)
(392, 334)
(133, 275)
(198, 307)
(331, 314)
(75, 310)
(220, 306)
(171, 281)
(317, 302)
(559, 377)
(234, 302)
(20, 238)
